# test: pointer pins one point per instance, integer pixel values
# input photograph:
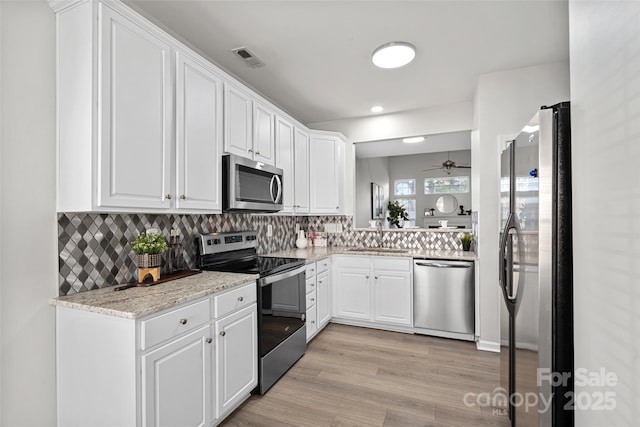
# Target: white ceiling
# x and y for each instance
(434, 143)
(317, 53)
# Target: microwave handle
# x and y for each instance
(273, 179)
(279, 181)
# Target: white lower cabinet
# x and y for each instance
(236, 358)
(318, 296)
(176, 382)
(373, 291)
(189, 365)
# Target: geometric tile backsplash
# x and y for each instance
(95, 251)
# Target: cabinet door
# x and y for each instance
(176, 382)
(323, 178)
(312, 322)
(324, 298)
(238, 120)
(301, 171)
(285, 160)
(135, 115)
(236, 357)
(353, 295)
(392, 297)
(198, 136)
(263, 133)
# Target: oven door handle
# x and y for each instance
(264, 281)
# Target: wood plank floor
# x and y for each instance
(354, 376)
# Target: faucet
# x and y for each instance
(379, 228)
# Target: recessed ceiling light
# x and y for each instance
(413, 140)
(393, 55)
(377, 109)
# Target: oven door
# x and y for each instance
(251, 186)
(282, 334)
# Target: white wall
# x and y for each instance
(424, 121)
(605, 96)
(28, 223)
(504, 102)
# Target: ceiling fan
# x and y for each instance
(447, 165)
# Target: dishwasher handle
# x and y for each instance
(439, 265)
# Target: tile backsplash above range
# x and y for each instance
(95, 250)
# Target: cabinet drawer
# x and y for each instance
(354, 261)
(234, 299)
(311, 284)
(323, 265)
(389, 263)
(311, 299)
(160, 328)
(310, 270)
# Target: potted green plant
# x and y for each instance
(466, 240)
(397, 214)
(148, 247)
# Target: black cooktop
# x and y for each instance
(252, 264)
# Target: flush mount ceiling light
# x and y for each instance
(393, 55)
(413, 140)
(377, 109)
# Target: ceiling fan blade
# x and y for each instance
(432, 169)
(464, 167)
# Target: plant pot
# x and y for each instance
(466, 246)
(149, 260)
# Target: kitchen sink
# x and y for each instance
(385, 250)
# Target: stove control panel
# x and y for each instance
(214, 243)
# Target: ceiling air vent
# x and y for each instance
(248, 57)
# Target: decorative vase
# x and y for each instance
(149, 266)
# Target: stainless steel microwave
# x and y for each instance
(250, 186)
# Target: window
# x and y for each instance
(410, 206)
(404, 187)
(523, 183)
(447, 184)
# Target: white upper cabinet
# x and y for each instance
(198, 135)
(238, 118)
(301, 172)
(139, 116)
(323, 179)
(249, 126)
(263, 133)
(285, 160)
(135, 112)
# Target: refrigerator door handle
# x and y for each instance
(506, 263)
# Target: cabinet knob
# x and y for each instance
(313, 322)
(223, 333)
(319, 281)
(250, 150)
(257, 153)
(240, 299)
(168, 196)
(375, 277)
(366, 277)
(313, 299)
(182, 196)
(337, 207)
(209, 340)
(183, 321)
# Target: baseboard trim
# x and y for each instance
(488, 346)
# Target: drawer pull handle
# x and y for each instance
(240, 299)
(223, 333)
(209, 340)
(183, 321)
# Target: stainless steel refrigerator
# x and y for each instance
(535, 271)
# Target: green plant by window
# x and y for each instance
(396, 213)
(149, 244)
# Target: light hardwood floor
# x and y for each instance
(353, 376)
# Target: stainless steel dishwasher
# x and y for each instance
(444, 298)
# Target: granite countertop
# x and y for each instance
(316, 253)
(137, 302)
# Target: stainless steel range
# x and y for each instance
(281, 298)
